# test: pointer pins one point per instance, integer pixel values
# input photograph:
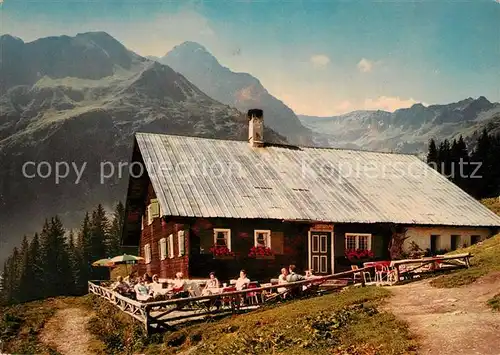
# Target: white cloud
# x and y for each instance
(319, 60)
(388, 103)
(365, 65)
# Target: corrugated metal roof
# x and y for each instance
(199, 177)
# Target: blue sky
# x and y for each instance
(319, 57)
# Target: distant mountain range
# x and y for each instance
(79, 100)
(405, 130)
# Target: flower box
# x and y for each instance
(261, 252)
(222, 252)
(265, 257)
(224, 257)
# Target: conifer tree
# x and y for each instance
(55, 259)
(99, 232)
(11, 278)
(432, 154)
(25, 277)
(115, 232)
(74, 262)
(35, 271)
(482, 155)
(4, 299)
(84, 245)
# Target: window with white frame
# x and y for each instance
(222, 237)
(147, 253)
(162, 247)
(180, 241)
(360, 241)
(171, 246)
(153, 210)
(262, 238)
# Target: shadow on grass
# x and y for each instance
(494, 303)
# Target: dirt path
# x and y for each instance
(66, 332)
(451, 320)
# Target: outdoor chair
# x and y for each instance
(380, 271)
(228, 300)
(359, 275)
(253, 297)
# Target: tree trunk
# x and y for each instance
(397, 241)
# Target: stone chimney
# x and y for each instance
(256, 127)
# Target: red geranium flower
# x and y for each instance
(260, 251)
(221, 250)
(357, 254)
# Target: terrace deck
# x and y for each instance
(164, 314)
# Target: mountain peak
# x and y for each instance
(483, 99)
(418, 105)
(6, 38)
(188, 48)
(192, 45)
(94, 34)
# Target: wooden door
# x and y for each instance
(321, 252)
(434, 242)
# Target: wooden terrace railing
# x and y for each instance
(156, 314)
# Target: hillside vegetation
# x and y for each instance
(342, 323)
(493, 204)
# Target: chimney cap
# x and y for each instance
(255, 112)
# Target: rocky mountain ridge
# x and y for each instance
(405, 130)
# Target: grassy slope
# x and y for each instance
(21, 325)
(347, 322)
(494, 303)
(493, 204)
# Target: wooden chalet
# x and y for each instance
(308, 205)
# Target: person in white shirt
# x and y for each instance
(142, 292)
(282, 280)
(156, 287)
(212, 284)
(243, 281)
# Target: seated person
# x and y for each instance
(130, 280)
(156, 287)
(179, 282)
(243, 281)
(147, 279)
(120, 286)
(292, 276)
(142, 292)
(308, 276)
(212, 284)
(179, 287)
(282, 280)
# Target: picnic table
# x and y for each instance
(429, 264)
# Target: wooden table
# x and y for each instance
(444, 261)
